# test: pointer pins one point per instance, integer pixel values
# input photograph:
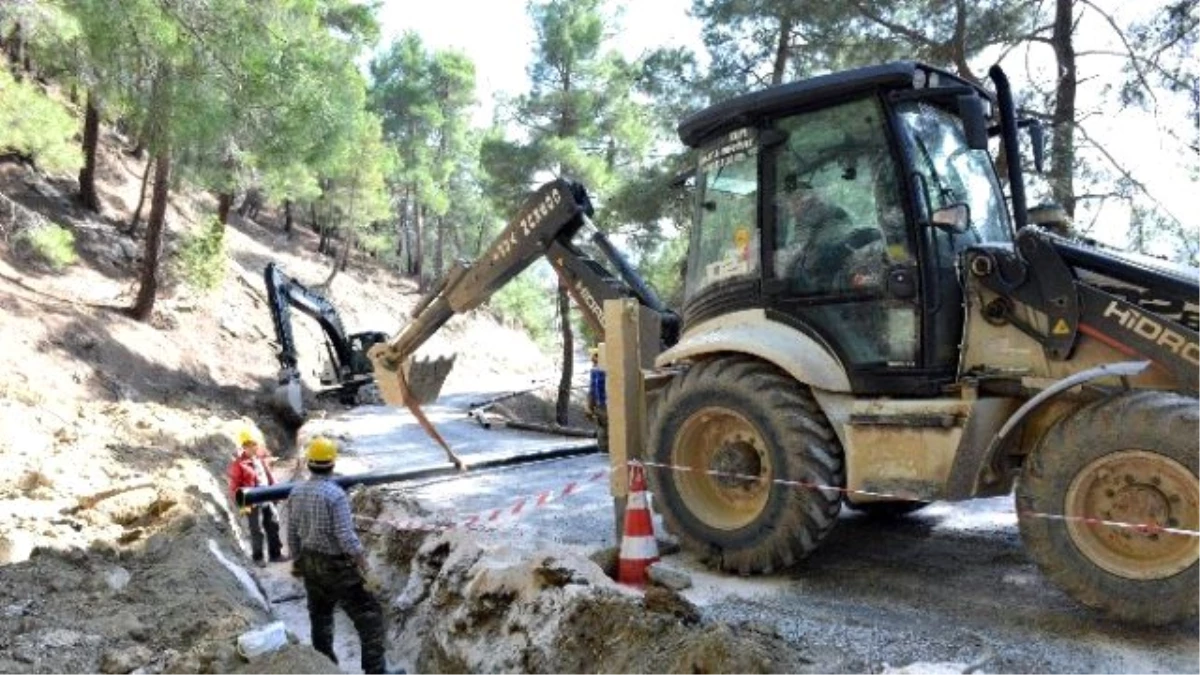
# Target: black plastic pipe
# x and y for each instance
(275, 493)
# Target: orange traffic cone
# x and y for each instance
(639, 550)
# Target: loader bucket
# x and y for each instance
(425, 377)
(396, 390)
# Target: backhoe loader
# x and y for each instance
(870, 321)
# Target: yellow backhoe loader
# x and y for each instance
(869, 321)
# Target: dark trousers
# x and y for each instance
(264, 518)
(331, 581)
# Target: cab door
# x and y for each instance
(945, 174)
(839, 259)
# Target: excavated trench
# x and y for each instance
(457, 604)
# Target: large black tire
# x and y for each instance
(1128, 458)
(744, 416)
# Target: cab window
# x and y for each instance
(839, 219)
(724, 245)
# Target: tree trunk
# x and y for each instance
(1062, 143)
(143, 306)
(224, 206)
(287, 217)
(251, 204)
(91, 138)
(783, 50)
(323, 242)
(418, 253)
(16, 49)
(959, 45)
(333, 272)
(402, 232)
(568, 355)
(456, 242)
(439, 248)
(139, 149)
(344, 259)
(137, 213)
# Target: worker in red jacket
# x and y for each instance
(249, 469)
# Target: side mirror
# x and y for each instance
(954, 219)
(680, 180)
(970, 110)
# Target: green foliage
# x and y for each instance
(52, 243)
(531, 305)
(663, 269)
(424, 99)
(356, 194)
(51, 35)
(35, 125)
(201, 261)
(756, 44)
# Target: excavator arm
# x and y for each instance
(282, 293)
(349, 366)
(545, 226)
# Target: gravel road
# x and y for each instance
(949, 589)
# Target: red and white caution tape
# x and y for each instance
(780, 481)
(493, 517)
(1144, 528)
(524, 505)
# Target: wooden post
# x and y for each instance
(631, 342)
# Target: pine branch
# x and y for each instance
(914, 35)
(1125, 172)
(1133, 58)
(1128, 48)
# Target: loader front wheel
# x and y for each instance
(724, 435)
(1109, 503)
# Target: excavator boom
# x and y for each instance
(545, 226)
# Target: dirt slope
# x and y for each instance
(115, 531)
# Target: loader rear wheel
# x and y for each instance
(1131, 459)
(751, 424)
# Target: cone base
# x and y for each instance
(634, 572)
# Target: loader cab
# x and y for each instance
(839, 205)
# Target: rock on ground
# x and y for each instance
(466, 608)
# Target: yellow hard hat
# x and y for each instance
(322, 451)
(247, 434)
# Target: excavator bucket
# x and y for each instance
(425, 377)
(288, 400)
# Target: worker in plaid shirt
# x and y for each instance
(332, 561)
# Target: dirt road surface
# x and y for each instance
(949, 589)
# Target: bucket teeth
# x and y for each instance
(425, 377)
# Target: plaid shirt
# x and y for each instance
(319, 519)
